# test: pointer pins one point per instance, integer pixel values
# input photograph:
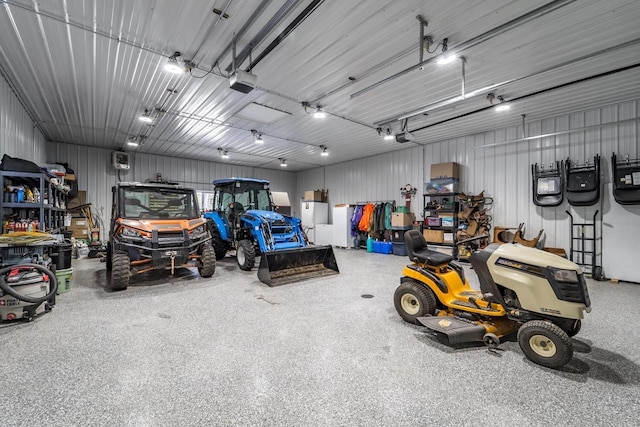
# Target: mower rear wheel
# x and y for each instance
(545, 343)
(121, 269)
(412, 299)
(245, 255)
(207, 262)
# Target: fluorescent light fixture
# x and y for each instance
(324, 151)
(447, 58)
(283, 162)
(145, 117)
(503, 107)
(132, 144)
(172, 65)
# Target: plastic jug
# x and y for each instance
(370, 244)
(377, 247)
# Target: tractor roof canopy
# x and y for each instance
(228, 181)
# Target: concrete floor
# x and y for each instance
(230, 351)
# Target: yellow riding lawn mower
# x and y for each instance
(540, 295)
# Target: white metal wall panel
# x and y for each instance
(503, 171)
(18, 135)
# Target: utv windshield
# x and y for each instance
(246, 196)
(160, 203)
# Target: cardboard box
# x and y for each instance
(399, 219)
(80, 199)
(442, 186)
(79, 223)
(445, 170)
(69, 177)
(314, 196)
(433, 236)
(448, 237)
(80, 233)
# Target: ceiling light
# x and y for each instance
(145, 117)
(324, 151)
(503, 107)
(172, 65)
(447, 58)
(283, 162)
(319, 114)
(132, 142)
(223, 153)
(257, 137)
(389, 136)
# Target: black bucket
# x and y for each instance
(62, 257)
(293, 265)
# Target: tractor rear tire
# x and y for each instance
(245, 255)
(545, 343)
(219, 246)
(121, 270)
(412, 299)
(207, 262)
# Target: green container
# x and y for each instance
(64, 280)
(402, 209)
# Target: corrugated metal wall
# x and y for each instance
(18, 136)
(97, 176)
(504, 173)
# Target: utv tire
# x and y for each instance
(545, 343)
(245, 255)
(219, 246)
(207, 263)
(121, 269)
(412, 299)
(108, 258)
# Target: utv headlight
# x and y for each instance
(199, 230)
(129, 232)
(569, 276)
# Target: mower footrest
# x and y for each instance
(456, 329)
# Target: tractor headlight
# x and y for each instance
(569, 276)
(129, 232)
(199, 230)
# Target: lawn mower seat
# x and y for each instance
(419, 252)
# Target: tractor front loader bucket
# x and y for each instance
(294, 265)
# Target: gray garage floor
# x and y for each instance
(230, 351)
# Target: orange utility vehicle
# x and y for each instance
(156, 226)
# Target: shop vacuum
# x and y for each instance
(26, 290)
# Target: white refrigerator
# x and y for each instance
(342, 226)
(313, 213)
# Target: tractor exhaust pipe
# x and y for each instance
(294, 265)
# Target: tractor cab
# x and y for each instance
(233, 197)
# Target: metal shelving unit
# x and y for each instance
(434, 206)
(50, 215)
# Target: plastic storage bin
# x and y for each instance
(399, 249)
(64, 280)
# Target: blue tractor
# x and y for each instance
(243, 218)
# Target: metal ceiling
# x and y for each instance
(85, 70)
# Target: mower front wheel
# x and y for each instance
(120, 272)
(412, 299)
(245, 255)
(545, 343)
(207, 262)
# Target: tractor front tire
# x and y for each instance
(245, 255)
(207, 262)
(219, 246)
(545, 343)
(120, 272)
(412, 299)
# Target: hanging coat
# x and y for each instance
(367, 212)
